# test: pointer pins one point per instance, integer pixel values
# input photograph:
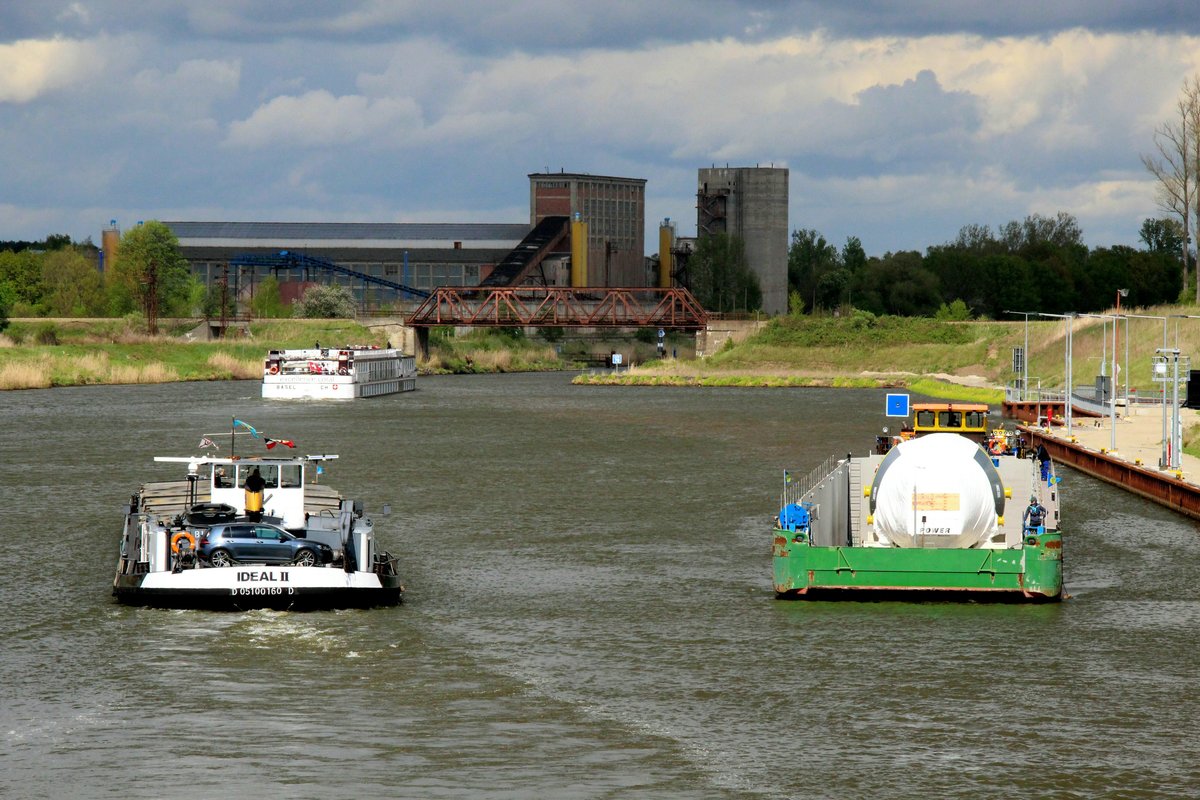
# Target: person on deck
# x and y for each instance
(1044, 457)
(254, 495)
(1035, 516)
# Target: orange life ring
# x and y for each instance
(274, 370)
(996, 447)
(180, 536)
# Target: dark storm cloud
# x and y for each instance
(540, 25)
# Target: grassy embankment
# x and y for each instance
(970, 361)
(38, 354)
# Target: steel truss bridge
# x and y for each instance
(560, 306)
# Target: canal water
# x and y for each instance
(589, 615)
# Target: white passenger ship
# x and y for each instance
(337, 373)
(164, 561)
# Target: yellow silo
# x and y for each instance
(110, 239)
(579, 251)
(666, 258)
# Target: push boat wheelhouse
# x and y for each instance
(936, 510)
(166, 524)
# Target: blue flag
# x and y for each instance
(250, 428)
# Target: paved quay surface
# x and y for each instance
(1139, 436)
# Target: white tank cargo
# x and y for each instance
(939, 490)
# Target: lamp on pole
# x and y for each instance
(1069, 319)
(1162, 462)
(1024, 354)
(1112, 391)
(1121, 293)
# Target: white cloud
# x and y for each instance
(196, 82)
(76, 13)
(33, 67)
(318, 118)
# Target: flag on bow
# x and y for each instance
(208, 444)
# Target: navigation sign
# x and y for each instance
(616, 359)
(897, 405)
(661, 333)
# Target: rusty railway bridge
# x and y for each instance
(556, 306)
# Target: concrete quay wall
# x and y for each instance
(1132, 465)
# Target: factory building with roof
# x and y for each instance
(420, 255)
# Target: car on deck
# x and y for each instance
(258, 543)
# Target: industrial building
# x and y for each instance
(752, 204)
(614, 210)
(583, 231)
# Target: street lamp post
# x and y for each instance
(1121, 293)
(1162, 461)
(1111, 389)
(1024, 354)
(1069, 319)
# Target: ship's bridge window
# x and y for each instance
(976, 419)
(290, 476)
(269, 473)
(925, 419)
(949, 419)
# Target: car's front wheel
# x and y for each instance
(220, 558)
(305, 558)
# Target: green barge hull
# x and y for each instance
(1031, 572)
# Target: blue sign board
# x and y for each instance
(897, 405)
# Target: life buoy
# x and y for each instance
(343, 371)
(996, 447)
(177, 538)
(274, 370)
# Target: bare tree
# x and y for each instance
(1191, 100)
(1176, 166)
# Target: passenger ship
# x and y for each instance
(935, 510)
(341, 373)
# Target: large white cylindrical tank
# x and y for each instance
(937, 490)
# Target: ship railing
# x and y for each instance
(1015, 393)
(795, 489)
(386, 564)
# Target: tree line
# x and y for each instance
(1036, 264)
(149, 277)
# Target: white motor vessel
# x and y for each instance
(338, 373)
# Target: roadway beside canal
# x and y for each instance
(1133, 464)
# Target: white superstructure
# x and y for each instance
(337, 373)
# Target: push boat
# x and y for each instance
(935, 511)
(166, 525)
(341, 373)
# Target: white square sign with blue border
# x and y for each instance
(897, 405)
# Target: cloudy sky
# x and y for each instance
(899, 121)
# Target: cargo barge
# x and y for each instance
(936, 511)
(247, 533)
